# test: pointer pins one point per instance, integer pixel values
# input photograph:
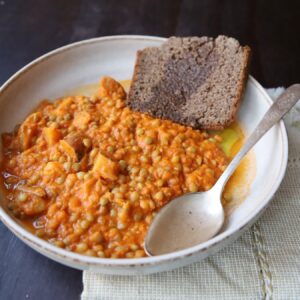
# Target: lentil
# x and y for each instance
(87, 142)
(103, 201)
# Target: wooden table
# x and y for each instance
(31, 28)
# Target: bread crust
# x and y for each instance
(243, 83)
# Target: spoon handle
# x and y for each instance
(278, 109)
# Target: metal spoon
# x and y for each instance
(195, 218)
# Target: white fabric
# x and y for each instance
(263, 264)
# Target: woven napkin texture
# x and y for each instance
(262, 264)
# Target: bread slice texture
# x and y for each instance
(194, 81)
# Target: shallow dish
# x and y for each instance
(60, 71)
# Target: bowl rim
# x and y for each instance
(66, 255)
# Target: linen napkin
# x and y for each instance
(263, 264)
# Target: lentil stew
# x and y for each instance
(88, 174)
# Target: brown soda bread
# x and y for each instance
(194, 81)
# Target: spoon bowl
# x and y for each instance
(195, 218)
(198, 219)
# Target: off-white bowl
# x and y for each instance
(59, 71)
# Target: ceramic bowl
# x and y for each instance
(59, 71)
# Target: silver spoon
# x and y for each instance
(194, 218)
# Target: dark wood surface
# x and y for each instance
(30, 28)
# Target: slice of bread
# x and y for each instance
(193, 81)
